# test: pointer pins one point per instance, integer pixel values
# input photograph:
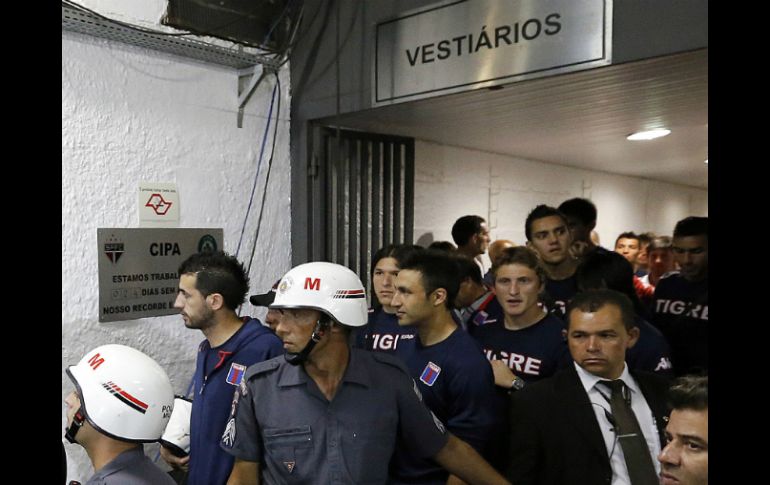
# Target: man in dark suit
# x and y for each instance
(573, 427)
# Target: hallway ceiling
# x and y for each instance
(579, 119)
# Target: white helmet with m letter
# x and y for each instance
(327, 287)
(123, 394)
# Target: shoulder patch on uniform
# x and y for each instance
(262, 367)
(430, 373)
(235, 374)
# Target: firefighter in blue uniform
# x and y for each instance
(326, 413)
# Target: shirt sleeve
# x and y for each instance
(474, 410)
(420, 429)
(242, 438)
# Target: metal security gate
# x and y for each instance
(362, 193)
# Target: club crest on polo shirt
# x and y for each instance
(430, 373)
(235, 374)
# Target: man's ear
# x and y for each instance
(634, 337)
(439, 296)
(215, 301)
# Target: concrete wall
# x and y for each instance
(131, 115)
(504, 189)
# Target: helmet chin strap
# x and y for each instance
(77, 422)
(301, 356)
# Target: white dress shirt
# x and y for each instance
(602, 407)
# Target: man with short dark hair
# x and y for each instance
(642, 259)
(594, 422)
(471, 234)
(685, 459)
(548, 234)
(627, 244)
(660, 259)
(473, 297)
(449, 367)
(581, 217)
(680, 304)
(212, 285)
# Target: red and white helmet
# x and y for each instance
(327, 287)
(123, 393)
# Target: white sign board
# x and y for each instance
(138, 268)
(469, 44)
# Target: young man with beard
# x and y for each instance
(211, 287)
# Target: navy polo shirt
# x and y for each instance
(457, 384)
(531, 353)
(382, 333)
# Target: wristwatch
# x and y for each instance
(517, 384)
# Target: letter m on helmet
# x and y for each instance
(95, 361)
(313, 284)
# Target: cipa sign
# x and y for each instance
(138, 268)
(463, 45)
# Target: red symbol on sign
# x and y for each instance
(158, 204)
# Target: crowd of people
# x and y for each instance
(562, 363)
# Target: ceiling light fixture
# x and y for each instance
(648, 135)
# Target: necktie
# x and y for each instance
(641, 470)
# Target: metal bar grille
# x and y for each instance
(368, 195)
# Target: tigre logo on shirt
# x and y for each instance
(679, 307)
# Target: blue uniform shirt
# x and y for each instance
(131, 467)
(283, 421)
(382, 333)
(457, 384)
(218, 372)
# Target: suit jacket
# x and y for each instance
(555, 437)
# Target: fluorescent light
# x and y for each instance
(648, 135)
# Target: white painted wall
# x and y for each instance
(131, 115)
(504, 190)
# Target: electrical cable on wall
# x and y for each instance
(267, 176)
(259, 164)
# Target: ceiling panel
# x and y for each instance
(579, 119)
